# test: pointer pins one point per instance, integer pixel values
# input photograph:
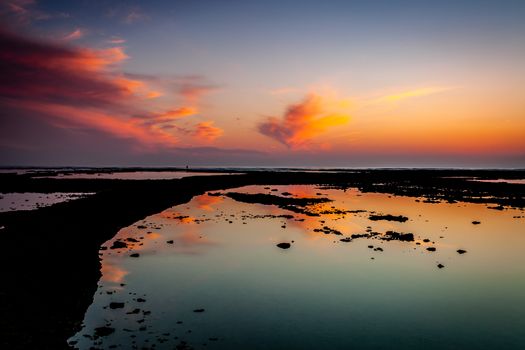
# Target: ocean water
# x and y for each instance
(209, 275)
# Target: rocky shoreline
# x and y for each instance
(51, 264)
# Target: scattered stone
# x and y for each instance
(431, 249)
(476, 222)
(134, 255)
(461, 251)
(198, 310)
(170, 241)
(440, 266)
(141, 300)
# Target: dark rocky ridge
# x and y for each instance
(50, 266)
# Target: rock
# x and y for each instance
(104, 331)
(431, 249)
(141, 300)
(405, 237)
(198, 310)
(142, 227)
(135, 255)
(135, 311)
(346, 239)
(116, 305)
(440, 266)
(284, 245)
(476, 222)
(399, 218)
(461, 251)
(118, 245)
(170, 241)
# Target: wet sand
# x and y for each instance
(51, 261)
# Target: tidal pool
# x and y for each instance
(31, 200)
(209, 275)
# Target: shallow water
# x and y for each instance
(134, 175)
(220, 255)
(32, 200)
(509, 181)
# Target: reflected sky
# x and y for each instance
(220, 255)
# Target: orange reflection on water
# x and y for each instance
(207, 202)
(112, 272)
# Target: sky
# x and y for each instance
(262, 83)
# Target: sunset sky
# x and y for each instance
(262, 83)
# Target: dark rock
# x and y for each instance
(198, 310)
(170, 241)
(118, 245)
(284, 245)
(134, 255)
(476, 222)
(104, 331)
(405, 237)
(399, 218)
(116, 305)
(440, 266)
(461, 251)
(431, 249)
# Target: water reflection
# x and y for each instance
(208, 274)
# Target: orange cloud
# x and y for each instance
(206, 131)
(305, 120)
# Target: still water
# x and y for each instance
(209, 275)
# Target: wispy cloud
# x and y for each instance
(419, 92)
(306, 120)
(74, 35)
